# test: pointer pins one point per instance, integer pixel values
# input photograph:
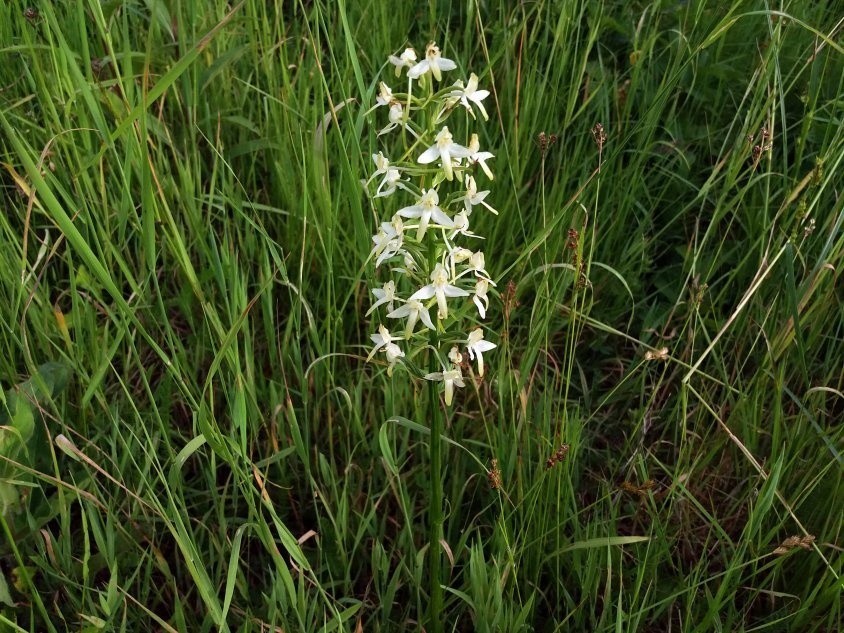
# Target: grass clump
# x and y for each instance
(656, 443)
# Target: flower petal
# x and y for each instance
(429, 155)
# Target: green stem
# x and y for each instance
(436, 510)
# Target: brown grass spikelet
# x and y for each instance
(793, 542)
(640, 490)
(545, 142)
(660, 354)
(494, 475)
(599, 135)
(509, 299)
(560, 455)
(573, 239)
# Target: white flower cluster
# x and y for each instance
(421, 243)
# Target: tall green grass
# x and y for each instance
(184, 229)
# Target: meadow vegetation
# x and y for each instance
(191, 438)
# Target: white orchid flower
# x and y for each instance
(445, 149)
(392, 176)
(439, 288)
(433, 63)
(413, 310)
(479, 157)
(473, 197)
(426, 209)
(388, 240)
(469, 93)
(396, 117)
(389, 184)
(457, 255)
(450, 378)
(477, 346)
(394, 228)
(455, 356)
(477, 265)
(382, 164)
(393, 352)
(386, 246)
(480, 299)
(405, 60)
(460, 226)
(385, 95)
(409, 265)
(381, 339)
(385, 294)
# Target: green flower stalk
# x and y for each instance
(424, 251)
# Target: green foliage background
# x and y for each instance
(183, 228)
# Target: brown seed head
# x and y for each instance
(599, 136)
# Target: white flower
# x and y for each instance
(393, 352)
(469, 93)
(480, 299)
(386, 246)
(477, 265)
(433, 62)
(477, 345)
(409, 265)
(389, 184)
(406, 60)
(444, 148)
(385, 294)
(385, 95)
(450, 378)
(457, 255)
(473, 197)
(382, 164)
(460, 224)
(439, 288)
(455, 356)
(381, 339)
(391, 179)
(426, 209)
(396, 120)
(394, 228)
(476, 156)
(413, 310)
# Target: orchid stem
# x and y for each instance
(436, 510)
